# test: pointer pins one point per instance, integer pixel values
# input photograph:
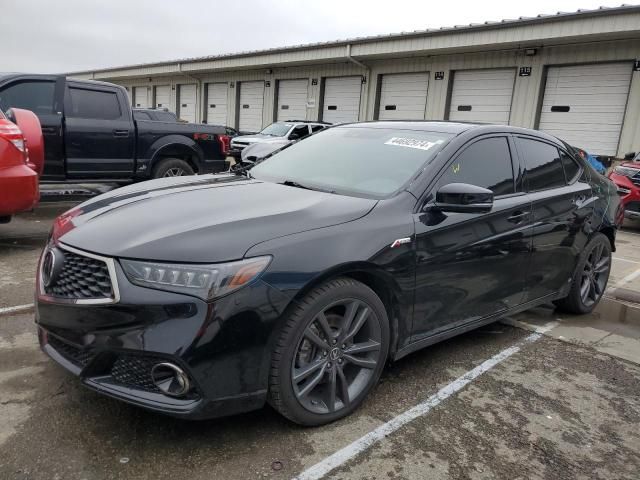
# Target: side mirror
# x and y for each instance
(629, 156)
(464, 198)
(294, 136)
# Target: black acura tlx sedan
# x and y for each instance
(294, 282)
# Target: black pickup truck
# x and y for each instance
(91, 135)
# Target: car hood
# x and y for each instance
(258, 137)
(209, 218)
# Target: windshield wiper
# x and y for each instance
(291, 183)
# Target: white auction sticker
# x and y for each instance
(412, 143)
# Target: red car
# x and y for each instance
(21, 161)
(626, 176)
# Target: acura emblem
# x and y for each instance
(51, 266)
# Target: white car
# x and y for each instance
(284, 132)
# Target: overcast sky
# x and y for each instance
(70, 35)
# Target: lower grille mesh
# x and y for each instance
(135, 372)
(78, 356)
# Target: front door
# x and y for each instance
(99, 133)
(470, 266)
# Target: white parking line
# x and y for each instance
(629, 278)
(621, 259)
(16, 309)
(325, 466)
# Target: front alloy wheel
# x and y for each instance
(330, 353)
(336, 356)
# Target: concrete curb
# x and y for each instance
(619, 307)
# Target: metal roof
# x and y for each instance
(541, 18)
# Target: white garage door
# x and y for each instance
(251, 104)
(292, 99)
(584, 105)
(217, 103)
(403, 96)
(187, 102)
(141, 97)
(341, 99)
(163, 97)
(482, 95)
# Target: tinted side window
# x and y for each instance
(542, 164)
(34, 96)
(315, 128)
(94, 104)
(571, 167)
(485, 163)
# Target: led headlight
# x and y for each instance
(203, 281)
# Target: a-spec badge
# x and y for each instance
(400, 241)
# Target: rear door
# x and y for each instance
(471, 266)
(562, 203)
(43, 96)
(99, 132)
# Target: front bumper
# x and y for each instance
(224, 346)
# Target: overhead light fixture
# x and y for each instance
(530, 52)
(269, 71)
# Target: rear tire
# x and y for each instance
(330, 353)
(590, 277)
(172, 167)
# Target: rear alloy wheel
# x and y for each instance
(172, 167)
(330, 353)
(591, 277)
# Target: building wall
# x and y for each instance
(526, 95)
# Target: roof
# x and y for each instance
(541, 18)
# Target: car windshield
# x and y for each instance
(277, 129)
(361, 161)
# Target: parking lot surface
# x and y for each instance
(546, 409)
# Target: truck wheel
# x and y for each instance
(172, 167)
(330, 353)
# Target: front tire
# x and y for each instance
(330, 353)
(590, 277)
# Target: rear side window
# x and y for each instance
(571, 167)
(34, 96)
(543, 166)
(94, 104)
(315, 128)
(485, 163)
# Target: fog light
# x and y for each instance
(170, 379)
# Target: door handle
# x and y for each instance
(49, 130)
(518, 216)
(121, 133)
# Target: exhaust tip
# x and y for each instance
(170, 379)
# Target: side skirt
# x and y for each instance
(425, 342)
